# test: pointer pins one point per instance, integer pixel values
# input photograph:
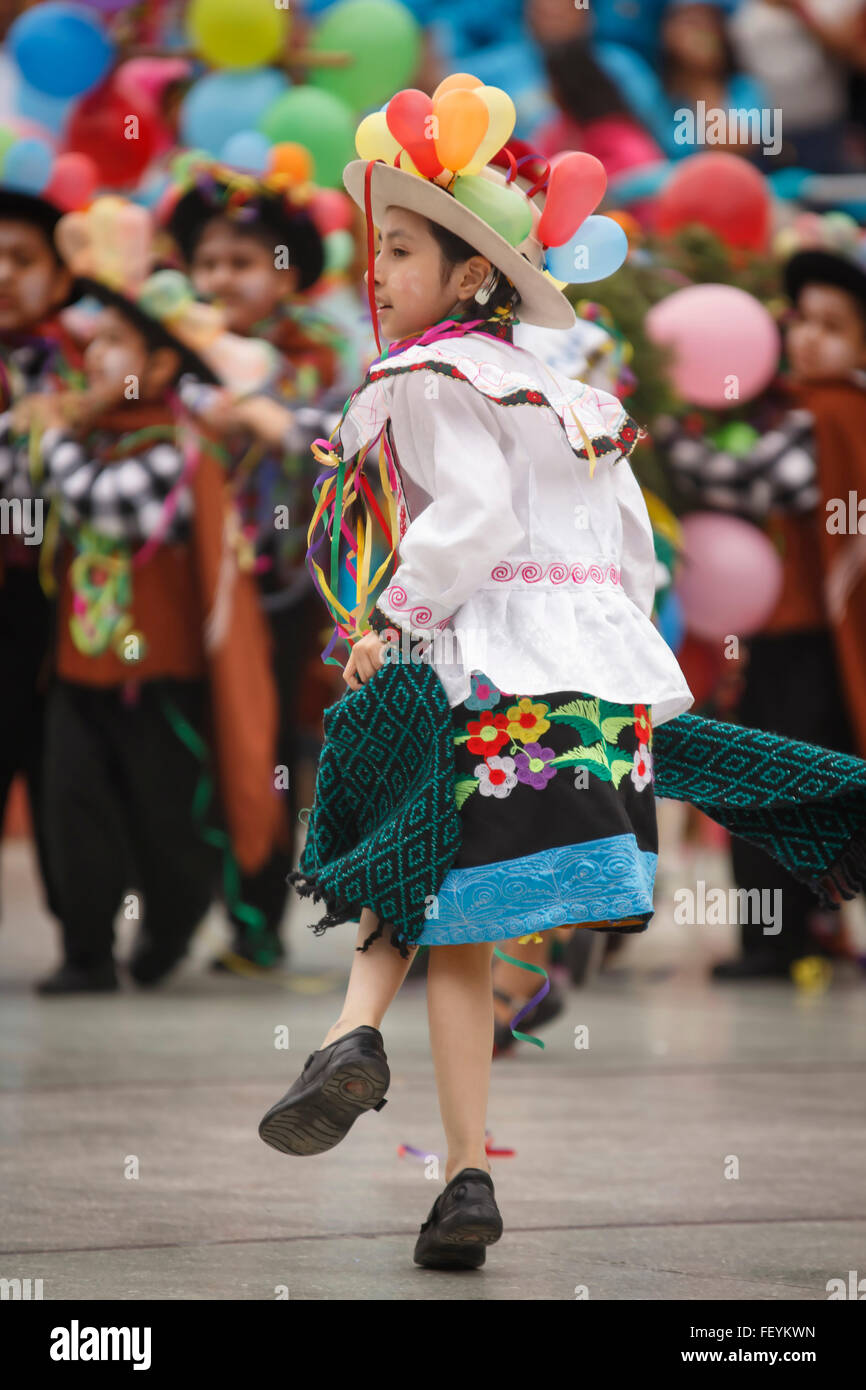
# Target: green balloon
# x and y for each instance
(321, 122)
(504, 209)
(7, 139)
(736, 438)
(384, 39)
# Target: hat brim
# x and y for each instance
(149, 327)
(824, 268)
(298, 232)
(541, 302)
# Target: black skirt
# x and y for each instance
(558, 819)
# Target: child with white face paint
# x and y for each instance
(251, 247)
(156, 640)
(35, 353)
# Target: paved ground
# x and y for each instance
(618, 1182)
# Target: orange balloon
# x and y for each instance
(291, 159)
(458, 81)
(463, 120)
(629, 224)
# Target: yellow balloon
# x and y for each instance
(373, 139)
(458, 81)
(560, 284)
(502, 116)
(463, 120)
(407, 165)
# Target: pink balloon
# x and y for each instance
(731, 576)
(331, 210)
(74, 181)
(726, 344)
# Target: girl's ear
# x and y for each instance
(475, 272)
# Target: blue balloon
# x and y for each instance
(671, 621)
(597, 249)
(249, 149)
(60, 49)
(50, 112)
(643, 182)
(27, 166)
(150, 190)
(222, 104)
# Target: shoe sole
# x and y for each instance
(314, 1123)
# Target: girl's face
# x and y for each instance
(241, 274)
(694, 36)
(408, 285)
(827, 336)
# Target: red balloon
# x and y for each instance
(720, 191)
(702, 665)
(407, 117)
(574, 190)
(117, 127)
(332, 211)
(73, 183)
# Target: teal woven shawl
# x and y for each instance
(384, 830)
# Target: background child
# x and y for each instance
(252, 248)
(34, 285)
(153, 646)
(806, 671)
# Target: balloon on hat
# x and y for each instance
(60, 49)
(318, 120)
(730, 579)
(229, 35)
(598, 248)
(502, 207)
(409, 118)
(223, 103)
(462, 119)
(373, 139)
(574, 190)
(384, 41)
(726, 345)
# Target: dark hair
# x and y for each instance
(581, 87)
(454, 250)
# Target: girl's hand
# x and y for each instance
(366, 658)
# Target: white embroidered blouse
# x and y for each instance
(522, 565)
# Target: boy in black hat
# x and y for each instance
(806, 672)
(34, 352)
(251, 246)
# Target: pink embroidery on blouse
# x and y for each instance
(556, 572)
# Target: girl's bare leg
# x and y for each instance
(460, 1010)
(375, 978)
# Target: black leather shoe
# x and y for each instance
(550, 1007)
(756, 965)
(463, 1221)
(79, 979)
(338, 1083)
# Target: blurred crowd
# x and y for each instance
(165, 379)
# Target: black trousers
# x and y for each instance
(25, 637)
(792, 687)
(291, 629)
(119, 786)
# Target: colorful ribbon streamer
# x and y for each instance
(531, 1003)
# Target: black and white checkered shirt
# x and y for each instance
(122, 499)
(779, 473)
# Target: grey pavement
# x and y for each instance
(708, 1143)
